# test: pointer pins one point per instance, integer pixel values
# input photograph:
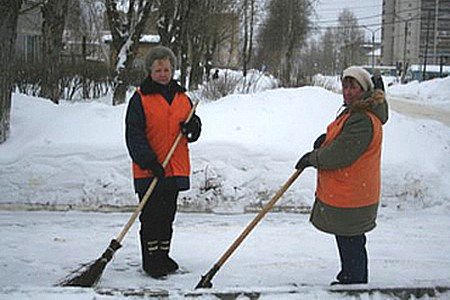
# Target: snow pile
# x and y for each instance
(432, 91)
(74, 154)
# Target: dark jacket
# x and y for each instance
(349, 145)
(378, 83)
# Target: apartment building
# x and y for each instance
(415, 32)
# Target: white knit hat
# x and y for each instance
(361, 75)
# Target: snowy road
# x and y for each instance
(409, 248)
(419, 110)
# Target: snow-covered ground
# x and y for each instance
(284, 257)
(73, 155)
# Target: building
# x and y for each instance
(28, 41)
(415, 32)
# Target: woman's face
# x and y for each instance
(161, 71)
(351, 90)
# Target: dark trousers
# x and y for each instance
(158, 213)
(353, 256)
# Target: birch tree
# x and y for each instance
(248, 12)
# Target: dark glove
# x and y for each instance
(192, 129)
(319, 141)
(156, 168)
(303, 162)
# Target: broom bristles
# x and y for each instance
(89, 274)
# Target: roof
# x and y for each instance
(145, 38)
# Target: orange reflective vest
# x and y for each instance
(162, 127)
(359, 184)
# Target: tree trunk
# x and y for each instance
(122, 80)
(9, 12)
(54, 14)
(196, 74)
(120, 92)
(184, 48)
(184, 61)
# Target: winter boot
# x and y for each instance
(169, 264)
(152, 260)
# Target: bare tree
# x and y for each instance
(9, 13)
(193, 30)
(320, 55)
(126, 23)
(329, 52)
(200, 36)
(172, 25)
(350, 38)
(169, 27)
(282, 35)
(54, 13)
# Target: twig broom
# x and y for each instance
(87, 275)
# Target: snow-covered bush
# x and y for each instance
(233, 82)
(331, 83)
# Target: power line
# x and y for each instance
(396, 21)
(373, 16)
(352, 8)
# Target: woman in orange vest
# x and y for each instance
(155, 115)
(348, 160)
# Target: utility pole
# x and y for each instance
(373, 43)
(373, 52)
(405, 67)
(436, 22)
(424, 71)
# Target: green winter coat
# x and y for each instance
(354, 139)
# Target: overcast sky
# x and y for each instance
(368, 12)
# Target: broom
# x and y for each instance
(87, 275)
(205, 281)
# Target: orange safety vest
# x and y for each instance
(359, 184)
(162, 127)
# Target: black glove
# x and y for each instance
(192, 129)
(156, 168)
(319, 141)
(303, 162)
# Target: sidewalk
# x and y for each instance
(419, 110)
(284, 252)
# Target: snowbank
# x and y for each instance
(430, 91)
(74, 154)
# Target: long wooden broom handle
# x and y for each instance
(152, 186)
(256, 220)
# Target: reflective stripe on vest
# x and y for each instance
(359, 184)
(162, 127)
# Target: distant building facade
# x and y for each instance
(28, 41)
(414, 31)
